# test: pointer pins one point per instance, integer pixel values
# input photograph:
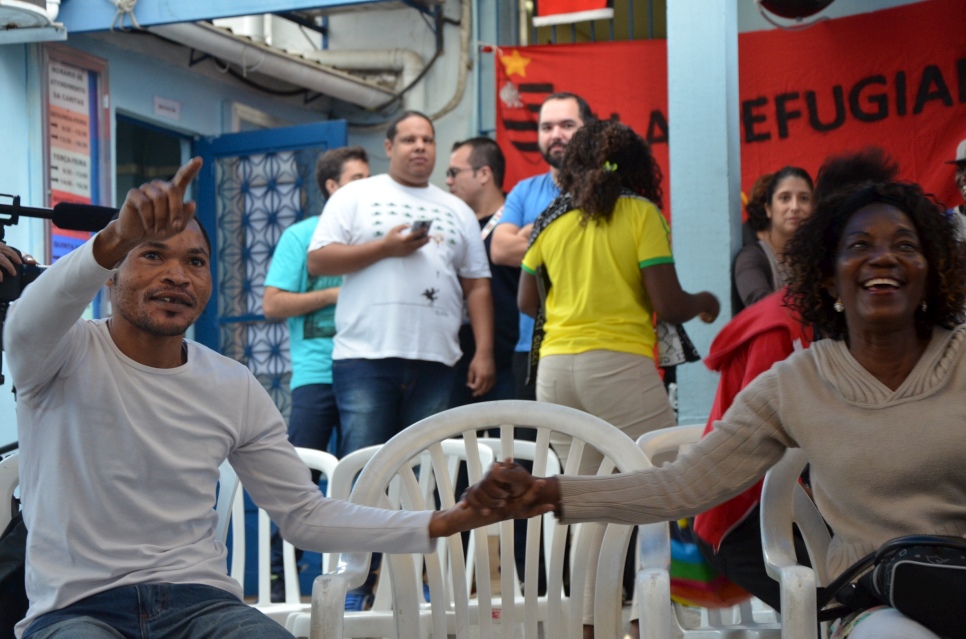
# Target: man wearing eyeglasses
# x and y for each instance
(409, 254)
(475, 175)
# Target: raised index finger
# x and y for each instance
(186, 173)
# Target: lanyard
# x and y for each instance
(494, 220)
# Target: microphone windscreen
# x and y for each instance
(82, 217)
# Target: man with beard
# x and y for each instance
(561, 115)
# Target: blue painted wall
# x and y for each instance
(134, 81)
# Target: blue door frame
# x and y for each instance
(321, 135)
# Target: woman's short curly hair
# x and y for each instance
(603, 158)
(846, 184)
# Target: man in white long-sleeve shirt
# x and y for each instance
(123, 424)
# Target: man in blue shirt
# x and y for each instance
(308, 303)
(561, 115)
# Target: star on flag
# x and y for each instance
(515, 63)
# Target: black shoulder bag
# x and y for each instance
(921, 576)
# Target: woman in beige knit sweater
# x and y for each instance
(877, 405)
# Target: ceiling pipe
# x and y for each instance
(254, 57)
(406, 62)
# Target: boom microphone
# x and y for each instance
(82, 217)
(66, 215)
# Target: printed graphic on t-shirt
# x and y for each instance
(388, 215)
(321, 323)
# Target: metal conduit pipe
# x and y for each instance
(405, 61)
(255, 57)
(465, 62)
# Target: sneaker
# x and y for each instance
(278, 589)
(358, 599)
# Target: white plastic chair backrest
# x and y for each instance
(394, 458)
(350, 466)
(665, 445)
(9, 480)
(784, 502)
(676, 439)
(317, 460)
(525, 450)
(654, 543)
(227, 487)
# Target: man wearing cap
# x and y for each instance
(959, 212)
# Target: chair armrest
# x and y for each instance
(654, 603)
(654, 581)
(799, 616)
(778, 511)
(329, 591)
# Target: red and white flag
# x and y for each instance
(549, 12)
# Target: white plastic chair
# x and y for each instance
(377, 621)
(784, 502)
(482, 616)
(733, 622)
(316, 460)
(520, 449)
(9, 480)
(227, 489)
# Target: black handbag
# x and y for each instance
(921, 576)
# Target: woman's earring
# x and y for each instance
(923, 306)
(838, 306)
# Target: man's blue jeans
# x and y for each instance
(157, 611)
(379, 397)
(314, 416)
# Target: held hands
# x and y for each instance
(397, 243)
(507, 491)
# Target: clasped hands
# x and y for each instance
(507, 491)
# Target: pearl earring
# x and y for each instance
(923, 306)
(838, 306)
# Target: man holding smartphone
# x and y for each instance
(409, 254)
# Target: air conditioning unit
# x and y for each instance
(24, 21)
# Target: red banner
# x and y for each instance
(894, 78)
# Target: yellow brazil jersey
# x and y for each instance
(597, 299)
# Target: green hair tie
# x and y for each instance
(610, 166)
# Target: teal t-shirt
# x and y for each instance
(310, 336)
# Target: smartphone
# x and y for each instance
(421, 226)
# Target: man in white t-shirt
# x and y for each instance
(409, 254)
